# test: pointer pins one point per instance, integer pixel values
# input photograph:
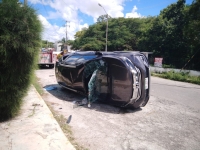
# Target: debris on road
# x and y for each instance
(69, 119)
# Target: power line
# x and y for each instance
(190, 59)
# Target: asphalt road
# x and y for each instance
(171, 119)
(182, 93)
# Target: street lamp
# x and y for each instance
(106, 26)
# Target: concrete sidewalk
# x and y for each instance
(34, 128)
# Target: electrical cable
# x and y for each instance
(190, 60)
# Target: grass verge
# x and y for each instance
(59, 118)
(65, 128)
(180, 76)
(37, 85)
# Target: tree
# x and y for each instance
(163, 35)
(20, 42)
(192, 31)
(119, 35)
(174, 41)
(46, 44)
(173, 34)
(103, 18)
(152, 36)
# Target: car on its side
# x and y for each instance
(124, 80)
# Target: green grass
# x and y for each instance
(65, 128)
(167, 66)
(37, 85)
(181, 76)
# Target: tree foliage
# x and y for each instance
(192, 32)
(20, 41)
(46, 44)
(174, 35)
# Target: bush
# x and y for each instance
(20, 38)
(167, 66)
(179, 76)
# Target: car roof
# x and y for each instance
(106, 53)
(84, 53)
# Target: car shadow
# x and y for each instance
(70, 96)
(108, 108)
(44, 67)
(62, 93)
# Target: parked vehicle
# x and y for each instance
(47, 58)
(124, 80)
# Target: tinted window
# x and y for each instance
(78, 59)
(72, 59)
(85, 58)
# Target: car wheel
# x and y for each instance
(51, 66)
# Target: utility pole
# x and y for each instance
(106, 26)
(25, 2)
(67, 25)
(66, 30)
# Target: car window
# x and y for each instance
(72, 59)
(85, 58)
(78, 59)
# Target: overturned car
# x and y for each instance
(122, 78)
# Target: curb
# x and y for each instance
(34, 127)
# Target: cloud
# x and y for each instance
(112, 7)
(54, 15)
(70, 10)
(133, 14)
(56, 33)
(83, 26)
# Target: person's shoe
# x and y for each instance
(89, 105)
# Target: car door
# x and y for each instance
(66, 67)
(71, 70)
(120, 80)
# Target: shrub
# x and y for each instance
(179, 76)
(167, 66)
(20, 38)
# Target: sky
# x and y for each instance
(59, 17)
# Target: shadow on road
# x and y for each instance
(45, 67)
(62, 93)
(67, 95)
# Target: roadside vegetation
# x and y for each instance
(37, 85)
(65, 128)
(20, 40)
(172, 35)
(182, 76)
(62, 121)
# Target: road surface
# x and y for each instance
(179, 92)
(170, 120)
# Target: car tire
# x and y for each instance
(51, 66)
